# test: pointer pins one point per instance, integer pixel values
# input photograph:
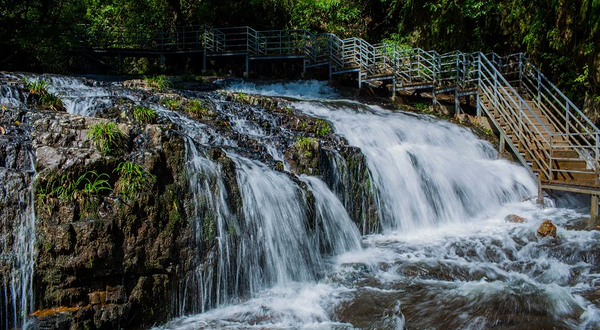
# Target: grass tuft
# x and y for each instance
(144, 115)
(39, 88)
(159, 82)
(134, 178)
(107, 138)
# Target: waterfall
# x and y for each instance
(427, 172)
(17, 248)
(274, 249)
(337, 234)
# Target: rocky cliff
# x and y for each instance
(114, 243)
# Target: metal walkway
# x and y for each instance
(547, 132)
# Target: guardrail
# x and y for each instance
(518, 91)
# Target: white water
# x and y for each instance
(442, 197)
(427, 172)
(308, 89)
(18, 286)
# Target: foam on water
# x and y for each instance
(304, 89)
(427, 172)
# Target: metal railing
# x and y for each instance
(534, 115)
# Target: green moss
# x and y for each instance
(175, 218)
(197, 108)
(171, 103)
(304, 145)
(208, 228)
(231, 230)
(279, 166)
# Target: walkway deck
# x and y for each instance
(547, 132)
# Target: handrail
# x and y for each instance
(508, 81)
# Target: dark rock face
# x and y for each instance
(108, 260)
(113, 258)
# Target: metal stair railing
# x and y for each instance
(520, 94)
(574, 129)
(517, 115)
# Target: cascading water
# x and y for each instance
(17, 248)
(279, 251)
(427, 172)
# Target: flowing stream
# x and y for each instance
(444, 258)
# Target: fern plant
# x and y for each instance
(133, 178)
(67, 187)
(107, 137)
(144, 115)
(39, 88)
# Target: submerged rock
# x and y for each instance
(513, 218)
(547, 228)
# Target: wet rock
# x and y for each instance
(547, 228)
(513, 218)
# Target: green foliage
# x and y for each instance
(39, 88)
(305, 146)
(67, 186)
(107, 138)
(240, 96)
(321, 127)
(144, 115)
(159, 82)
(171, 103)
(196, 108)
(133, 178)
(192, 77)
(423, 107)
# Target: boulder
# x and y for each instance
(547, 228)
(513, 218)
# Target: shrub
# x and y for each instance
(107, 138)
(160, 82)
(321, 127)
(144, 115)
(67, 187)
(133, 178)
(39, 88)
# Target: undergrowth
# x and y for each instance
(133, 178)
(144, 115)
(107, 138)
(39, 88)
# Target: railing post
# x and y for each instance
(520, 72)
(457, 71)
(597, 165)
(567, 118)
(539, 86)
(478, 83)
(551, 175)
(520, 133)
